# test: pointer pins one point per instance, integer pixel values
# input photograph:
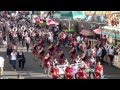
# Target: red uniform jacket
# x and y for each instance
(98, 71)
(35, 50)
(41, 54)
(47, 62)
(55, 73)
(58, 48)
(82, 74)
(68, 72)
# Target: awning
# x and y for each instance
(86, 33)
(69, 15)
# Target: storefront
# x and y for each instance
(112, 33)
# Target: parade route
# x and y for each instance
(33, 70)
(41, 47)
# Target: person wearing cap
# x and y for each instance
(1, 66)
(55, 72)
(98, 71)
(69, 72)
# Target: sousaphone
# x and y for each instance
(23, 28)
(15, 29)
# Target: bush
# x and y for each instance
(70, 31)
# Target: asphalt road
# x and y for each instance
(33, 70)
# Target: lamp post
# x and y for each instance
(115, 38)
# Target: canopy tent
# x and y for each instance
(111, 31)
(98, 13)
(91, 18)
(69, 15)
(111, 28)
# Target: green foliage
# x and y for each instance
(72, 31)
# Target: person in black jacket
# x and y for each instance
(8, 52)
(21, 59)
(103, 54)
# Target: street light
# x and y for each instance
(115, 38)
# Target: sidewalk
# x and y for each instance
(24, 75)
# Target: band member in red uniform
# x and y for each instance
(41, 43)
(58, 47)
(41, 55)
(55, 72)
(47, 65)
(98, 71)
(51, 49)
(69, 72)
(61, 57)
(34, 51)
(63, 37)
(73, 54)
(81, 74)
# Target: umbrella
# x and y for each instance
(97, 31)
(69, 15)
(86, 33)
(52, 22)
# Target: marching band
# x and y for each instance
(53, 60)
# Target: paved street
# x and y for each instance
(34, 71)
